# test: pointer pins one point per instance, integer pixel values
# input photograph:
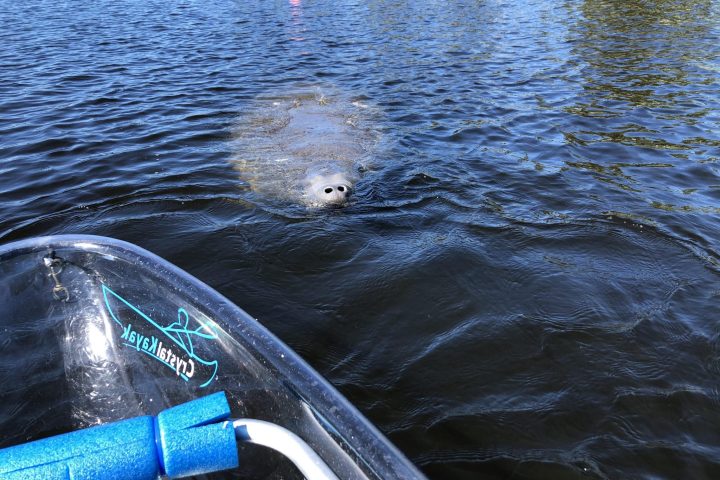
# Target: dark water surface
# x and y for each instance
(527, 284)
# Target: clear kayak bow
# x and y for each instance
(99, 333)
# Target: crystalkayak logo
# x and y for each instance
(172, 345)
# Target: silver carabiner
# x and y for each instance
(59, 291)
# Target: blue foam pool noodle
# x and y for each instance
(189, 439)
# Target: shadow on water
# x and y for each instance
(644, 123)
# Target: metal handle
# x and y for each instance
(284, 441)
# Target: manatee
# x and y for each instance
(306, 146)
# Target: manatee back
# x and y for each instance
(285, 139)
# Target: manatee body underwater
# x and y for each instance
(306, 146)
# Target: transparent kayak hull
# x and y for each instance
(95, 330)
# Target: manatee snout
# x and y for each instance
(329, 189)
(335, 194)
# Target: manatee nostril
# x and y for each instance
(328, 190)
(341, 188)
